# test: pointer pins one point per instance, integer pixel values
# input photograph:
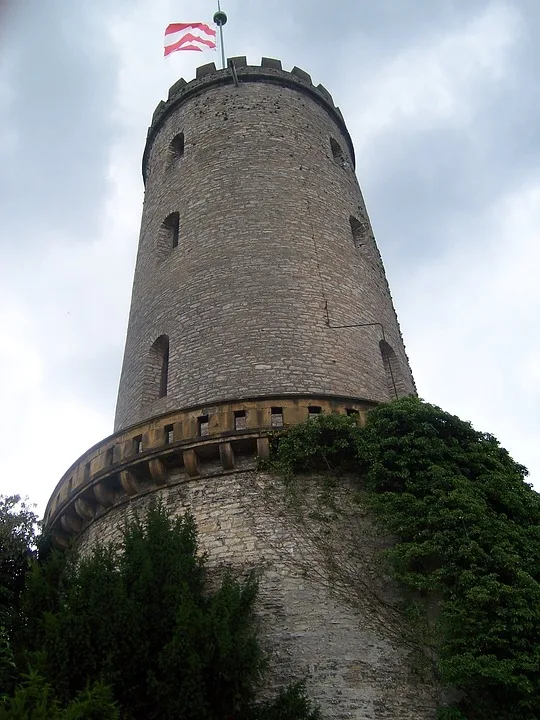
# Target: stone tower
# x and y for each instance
(259, 300)
(255, 247)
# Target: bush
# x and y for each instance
(34, 699)
(138, 618)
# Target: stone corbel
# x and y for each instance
(71, 523)
(129, 482)
(84, 509)
(226, 454)
(263, 448)
(103, 494)
(158, 471)
(192, 463)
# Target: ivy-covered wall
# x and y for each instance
(466, 544)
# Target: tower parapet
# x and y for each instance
(174, 449)
(270, 70)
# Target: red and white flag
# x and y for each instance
(189, 36)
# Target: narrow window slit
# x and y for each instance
(170, 231)
(338, 154)
(357, 231)
(169, 434)
(177, 146)
(164, 376)
(276, 417)
(240, 420)
(202, 421)
(394, 377)
(156, 382)
(137, 445)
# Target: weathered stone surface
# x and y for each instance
(325, 608)
(204, 70)
(271, 63)
(302, 74)
(239, 61)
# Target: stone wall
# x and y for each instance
(268, 261)
(326, 611)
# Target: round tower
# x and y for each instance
(257, 273)
(259, 301)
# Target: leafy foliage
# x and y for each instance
(291, 704)
(135, 627)
(325, 442)
(18, 525)
(467, 529)
(34, 699)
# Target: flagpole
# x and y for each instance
(220, 18)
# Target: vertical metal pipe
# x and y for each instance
(222, 46)
(220, 18)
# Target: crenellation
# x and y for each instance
(159, 109)
(269, 70)
(302, 74)
(175, 89)
(271, 64)
(239, 62)
(324, 92)
(204, 70)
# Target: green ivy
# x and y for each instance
(325, 442)
(467, 530)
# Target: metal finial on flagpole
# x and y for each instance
(220, 18)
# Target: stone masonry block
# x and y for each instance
(204, 70)
(177, 87)
(302, 74)
(271, 63)
(324, 92)
(239, 62)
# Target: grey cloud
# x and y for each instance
(436, 180)
(56, 65)
(90, 369)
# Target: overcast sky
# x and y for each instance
(442, 99)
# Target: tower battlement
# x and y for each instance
(270, 70)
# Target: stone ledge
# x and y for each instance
(194, 442)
